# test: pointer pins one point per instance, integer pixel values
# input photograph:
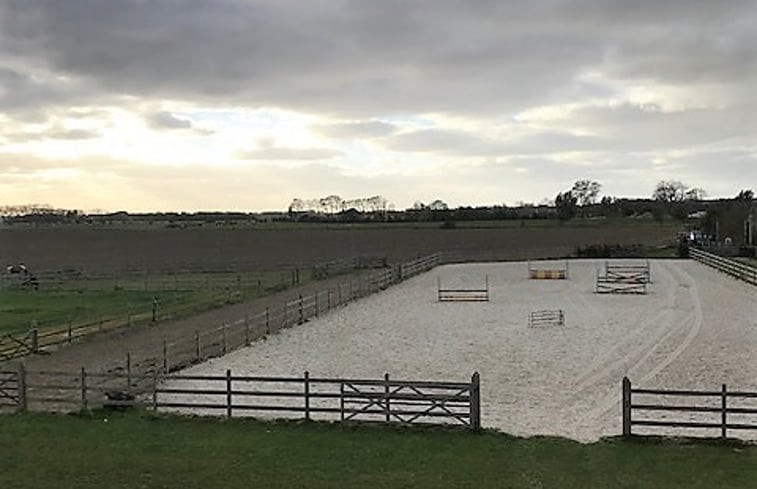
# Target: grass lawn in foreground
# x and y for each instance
(135, 451)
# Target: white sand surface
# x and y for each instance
(696, 328)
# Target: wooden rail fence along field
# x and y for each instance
(717, 410)
(462, 295)
(419, 265)
(734, 268)
(546, 318)
(548, 273)
(169, 356)
(335, 399)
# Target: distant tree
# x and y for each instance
(377, 203)
(438, 205)
(746, 194)
(331, 204)
(297, 205)
(586, 192)
(566, 205)
(670, 191)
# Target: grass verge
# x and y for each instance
(133, 450)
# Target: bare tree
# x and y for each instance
(670, 191)
(438, 205)
(586, 192)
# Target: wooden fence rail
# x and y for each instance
(419, 265)
(170, 356)
(629, 271)
(614, 283)
(546, 318)
(720, 410)
(343, 399)
(543, 273)
(266, 322)
(445, 294)
(177, 279)
(734, 268)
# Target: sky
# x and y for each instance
(160, 105)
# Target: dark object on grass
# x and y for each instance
(118, 400)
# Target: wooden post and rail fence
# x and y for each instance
(664, 410)
(734, 268)
(307, 397)
(252, 327)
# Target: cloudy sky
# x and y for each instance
(247, 104)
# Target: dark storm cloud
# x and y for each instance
(364, 57)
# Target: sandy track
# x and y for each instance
(695, 329)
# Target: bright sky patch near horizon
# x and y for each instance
(149, 105)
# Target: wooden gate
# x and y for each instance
(411, 402)
(9, 389)
(18, 346)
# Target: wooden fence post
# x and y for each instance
(341, 400)
(387, 406)
(83, 382)
(246, 329)
(198, 348)
(228, 393)
(307, 395)
(626, 386)
(723, 412)
(224, 338)
(302, 311)
(267, 322)
(155, 390)
(21, 387)
(165, 356)
(34, 340)
(69, 329)
(128, 372)
(328, 299)
(315, 296)
(475, 402)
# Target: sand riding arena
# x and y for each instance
(694, 328)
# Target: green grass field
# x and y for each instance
(110, 299)
(49, 309)
(141, 451)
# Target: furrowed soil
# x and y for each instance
(113, 250)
